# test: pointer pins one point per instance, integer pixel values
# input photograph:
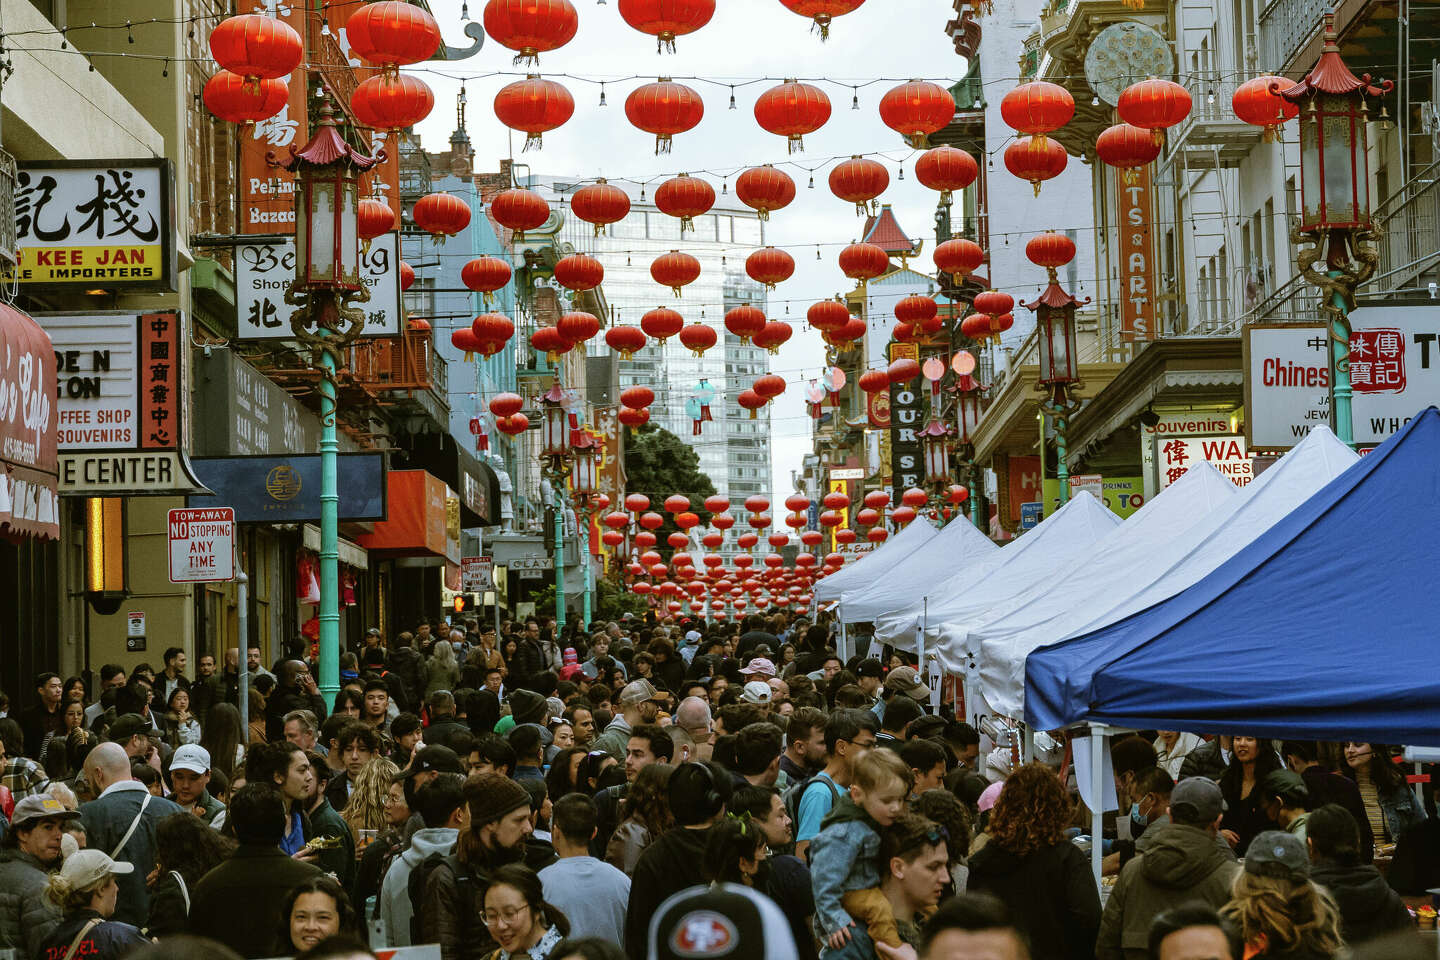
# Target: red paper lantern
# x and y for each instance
(513, 426)
(791, 110)
(664, 108)
(1037, 107)
(764, 189)
(686, 521)
(256, 47)
(685, 197)
(618, 520)
(633, 418)
(769, 386)
(903, 370)
(773, 335)
(769, 266)
(874, 381)
(464, 341)
(389, 103)
(637, 397)
(492, 331)
(233, 98)
(831, 518)
(717, 504)
(877, 499)
(531, 27)
(374, 218)
(533, 106)
(946, 169)
(1036, 160)
(827, 315)
(625, 340)
(811, 538)
(551, 342)
(835, 500)
(760, 520)
(864, 261)
(859, 180)
(959, 257)
(917, 109)
(1154, 105)
(957, 493)
(392, 33)
(994, 302)
(920, 312)
(613, 538)
(878, 534)
(745, 322)
(698, 338)
(797, 503)
(600, 203)
(752, 401)
(662, 323)
(518, 209)
(722, 521)
(1258, 102)
(677, 503)
(577, 326)
(867, 517)
(635, 502)
(902, 516)
(579, 272)
(976, 326)
(914, 497)
(821, 11)
(407, 276)
(904, 333)
(1126, 147)
(667, 19)
(441, 214)
(674, 270)
(1050, 250)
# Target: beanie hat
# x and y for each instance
(491, 796)
(569, 656)
(527, 706)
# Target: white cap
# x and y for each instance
(86, 868)
(192, 757)
(756, 691)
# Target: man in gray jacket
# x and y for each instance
(1180, 862)
(28, 852)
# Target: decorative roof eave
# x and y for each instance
(935, 428)
(327, 147)
(1331, 75)
(1054, 296)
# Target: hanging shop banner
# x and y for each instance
(1022, 484)
(907, 409)
(417, 521)
(241, 412)
(1122, 495)
(1136, 255)
(99, 224)
(264, 270)
(1287, 383)
(1394, 366)
(267, 192)
(29, 420)
(1226, 454)
(121, 397)
(287, 489)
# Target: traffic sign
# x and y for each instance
(531, 563)
(202, 545)
(477, 574)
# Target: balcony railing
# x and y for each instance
(407, 362)
(1285, 27)
(1409, 223)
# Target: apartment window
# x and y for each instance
(1267, 224)
(1203, 311)
(1291, 195)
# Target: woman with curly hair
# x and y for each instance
(1279, 911)
(186, 848)
(365, 810)
(1031, 867)
(644, 815)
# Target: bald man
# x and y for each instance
(692, 730)
(121, 821)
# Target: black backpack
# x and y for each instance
(792, 796)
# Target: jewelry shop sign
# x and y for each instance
(102, 225)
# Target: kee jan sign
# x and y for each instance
(202, 545)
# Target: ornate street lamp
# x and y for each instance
(327, 281)
(582, 477)
(559, 456)
(967, 414)
(935, 449)
(1335, 219)
(1059, 370)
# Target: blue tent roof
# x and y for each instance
(1323, 628)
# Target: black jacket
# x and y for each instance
(407, 664)
(1203, 761)
(257, 876)
(1050, 893)
(529, 662)
(446, 731)
(450, 910)
(671, 863)
(107, 940)
(1368, 907)
(1327, 787)
(281, 702)
(169, 911)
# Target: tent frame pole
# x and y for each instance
(844, 635)
(1095, 800)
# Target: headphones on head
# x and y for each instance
(712, 799)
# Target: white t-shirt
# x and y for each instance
(592, 895)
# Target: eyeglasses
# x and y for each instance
(864, 744)
(507, 918)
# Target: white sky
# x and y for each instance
(746, 39)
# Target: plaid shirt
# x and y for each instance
(23, 777)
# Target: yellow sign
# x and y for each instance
(98, 264)
(839, 486)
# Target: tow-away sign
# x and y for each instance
(202, 545)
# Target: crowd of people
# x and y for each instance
(659, 790)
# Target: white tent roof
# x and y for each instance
(876, 562)
(958, 547)
(1140, 572)
(1060, 538)
(1162, 573)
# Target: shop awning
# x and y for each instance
(29, 410)
(415, 525)
(473, 481)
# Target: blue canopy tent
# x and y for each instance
(1322, 628)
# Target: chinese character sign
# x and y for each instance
(1175, 455)
(1136, 255)
(264, 270)
(160, 424)
(1377, 360)
(95, 224)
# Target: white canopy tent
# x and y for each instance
(958, 547)
(1164, 573)
(1069, 534)
(861, 572)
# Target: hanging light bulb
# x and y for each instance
(854, 98)
(732, 96)
(1210, 97)
(602, 86)
(724, 187)
(902, 172)
(817, 251)
(1094, 101)
(464, 11)
(812, 181)
(642, 193)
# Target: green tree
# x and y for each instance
(659, 465)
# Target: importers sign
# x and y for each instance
(99, 224)
(264, 270)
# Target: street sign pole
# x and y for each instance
(243, 618)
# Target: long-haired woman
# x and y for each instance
(223, 740)
(365, 810)
(1251, 758)
(644, 815)
(1390, 806)
(1279, 911)
(186, 848)
(517, 916)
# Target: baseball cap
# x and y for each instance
(637, 691)
(192, 757)
(129, 725)
(759, 665)
(692, 636)
(927, 726)
(756, 691)
(869, 667)
(1196, 800)
(432, 757)
(1288, 785)
(1276, 853)
(85, 868)
(373, 632)
(718, 923)
(40, 806)
(989, 795)
(906, 680)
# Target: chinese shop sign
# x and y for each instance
(264, 270)
(101, 225)
(1228, 455)
(1136, 200)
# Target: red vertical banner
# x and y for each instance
(1135, 199)
(159, 376)
(1023, 483)
(267, 193)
